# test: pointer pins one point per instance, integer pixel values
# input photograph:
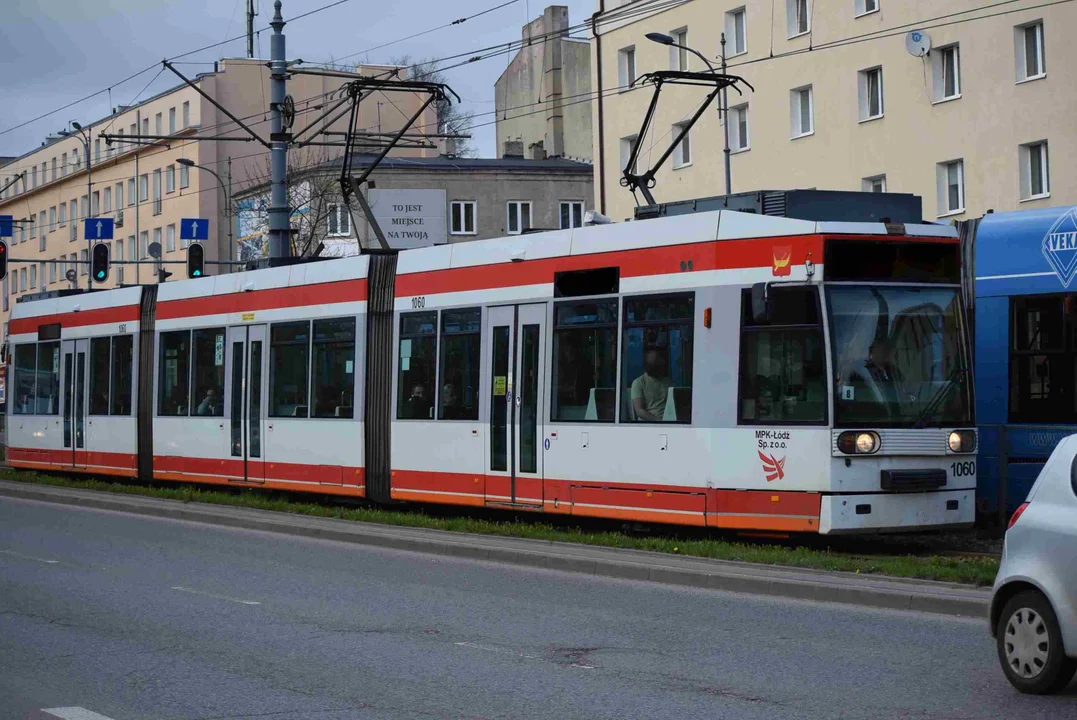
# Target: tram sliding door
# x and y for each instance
(246, 390)
(515, 338)
(73, 371)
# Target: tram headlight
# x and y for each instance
(962, 441)
(859, 443)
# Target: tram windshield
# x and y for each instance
(899, 356)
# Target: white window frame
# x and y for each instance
(942, 175)
(172, 121)
(626, 144)
(170, 238)
(940, 69)
(796, 114)
(682, 154)
(731, 33)
(170, 179)
(793, 17)
(572, 206)
(518, 205)
(737, 144)
(340, 214)
(678, 56)
(463, 205)
(1020, 51)
(864, 7)
(863, 92)
(868, 184)
(1025, 152)
(626, 68)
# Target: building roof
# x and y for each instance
(515, 164)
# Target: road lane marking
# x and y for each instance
(216, 597)
(12, 553)
(502, 651)
(75, 713)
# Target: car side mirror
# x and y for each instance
(760, 304)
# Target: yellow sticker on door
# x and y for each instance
(500, 382)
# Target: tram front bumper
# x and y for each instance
(897, 512)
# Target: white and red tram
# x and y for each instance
(718, 369)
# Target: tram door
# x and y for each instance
(246, 407)
(73, 380)
(515, 340)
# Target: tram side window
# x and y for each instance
(782, 362)
(1043, 359)
(122, 360)
(100, 348)
(48, 378)
(174, 368)
(207, 374)
(418, 352)
(656, 359)
(585, 361)
(289, 353)
(25, 379)
(460, 333)
(333, 384)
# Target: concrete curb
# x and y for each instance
(846, 588)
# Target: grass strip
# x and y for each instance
(968, 570)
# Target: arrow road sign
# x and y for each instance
(194, 229)
(5, 225)
(98, 228)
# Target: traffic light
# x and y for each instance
(3, 259)
(196, 260)
(99, 263)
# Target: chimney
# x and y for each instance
(537, 151)
(513, 149)
(447, 147)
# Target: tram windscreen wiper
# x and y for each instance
(940, 394)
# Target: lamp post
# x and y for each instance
(723, 110)
(225, 188)
(89, 195)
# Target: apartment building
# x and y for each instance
(985, 120)
(156, 170)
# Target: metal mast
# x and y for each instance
(280, 245)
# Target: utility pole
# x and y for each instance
(87, 211)
(725, 117)
(280, 245)
(231, 219)
(250, 28)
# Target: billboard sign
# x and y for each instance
(409, 218)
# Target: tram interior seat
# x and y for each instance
(344, 411)
(600, 404)
(678, 405)
(299, 411)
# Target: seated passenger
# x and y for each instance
(210, 405)
(450, 404)
(417, 406)
(649, 390)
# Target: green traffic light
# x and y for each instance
(100, 275)
(197, 273)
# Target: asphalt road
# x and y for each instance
(135, 617)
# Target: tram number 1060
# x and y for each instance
(963, 469)
(418, 302)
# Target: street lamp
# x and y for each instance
(723, 110)
(84, 134)
(225, 188)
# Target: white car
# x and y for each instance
(1034, 603)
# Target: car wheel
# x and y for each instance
(1030, 645)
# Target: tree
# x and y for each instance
(452, 118)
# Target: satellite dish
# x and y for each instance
(70, 275)
(918, 43)
(155, 250)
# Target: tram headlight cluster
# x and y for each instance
(961, 441)
(859, 442)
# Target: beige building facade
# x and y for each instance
(985, 120)
(142, 185)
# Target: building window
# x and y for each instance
(157, 239)
(33, 177)
(97, 150)
(1029, 53)
(870, 90)
(628, 144)
(107, 199)
(682, 154)
(171, 121)
(157, 192)
(131, 197)
(119, 196)
(798, 16)
(571, 214)
(946, 72)
(656, 359)
(519, 216)
(338, 221)
(863, 7)
(1043, 360)
(186, 115)
(585, 361)
(84, 263)
(185, 176)
(62, 215)
(463, 217)
(1035, 176)
(458, 393)
(158, 124)
(876, 183)
(119, 256)
(145, 127)
(95, 205)
(801, 112)
(143, 188)
(120, 146)
(678, 56)
(52, 272)
(63, 165)
(626, 67)
(52, 218)
(736, 32)
(170, 238)
(170, 179)
(951, 184)
(739, 139)
(417, 369)
(33, 276)
(144, 244)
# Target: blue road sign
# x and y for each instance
(98, 228)
(5, 225)
(194, 229)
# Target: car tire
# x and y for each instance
(1030, 645)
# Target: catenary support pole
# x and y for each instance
(279, 231)
(725, 125)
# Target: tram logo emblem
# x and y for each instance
(772, 467)
(782, 255)
(1060, 246)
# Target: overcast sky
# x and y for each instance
(57, 51)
